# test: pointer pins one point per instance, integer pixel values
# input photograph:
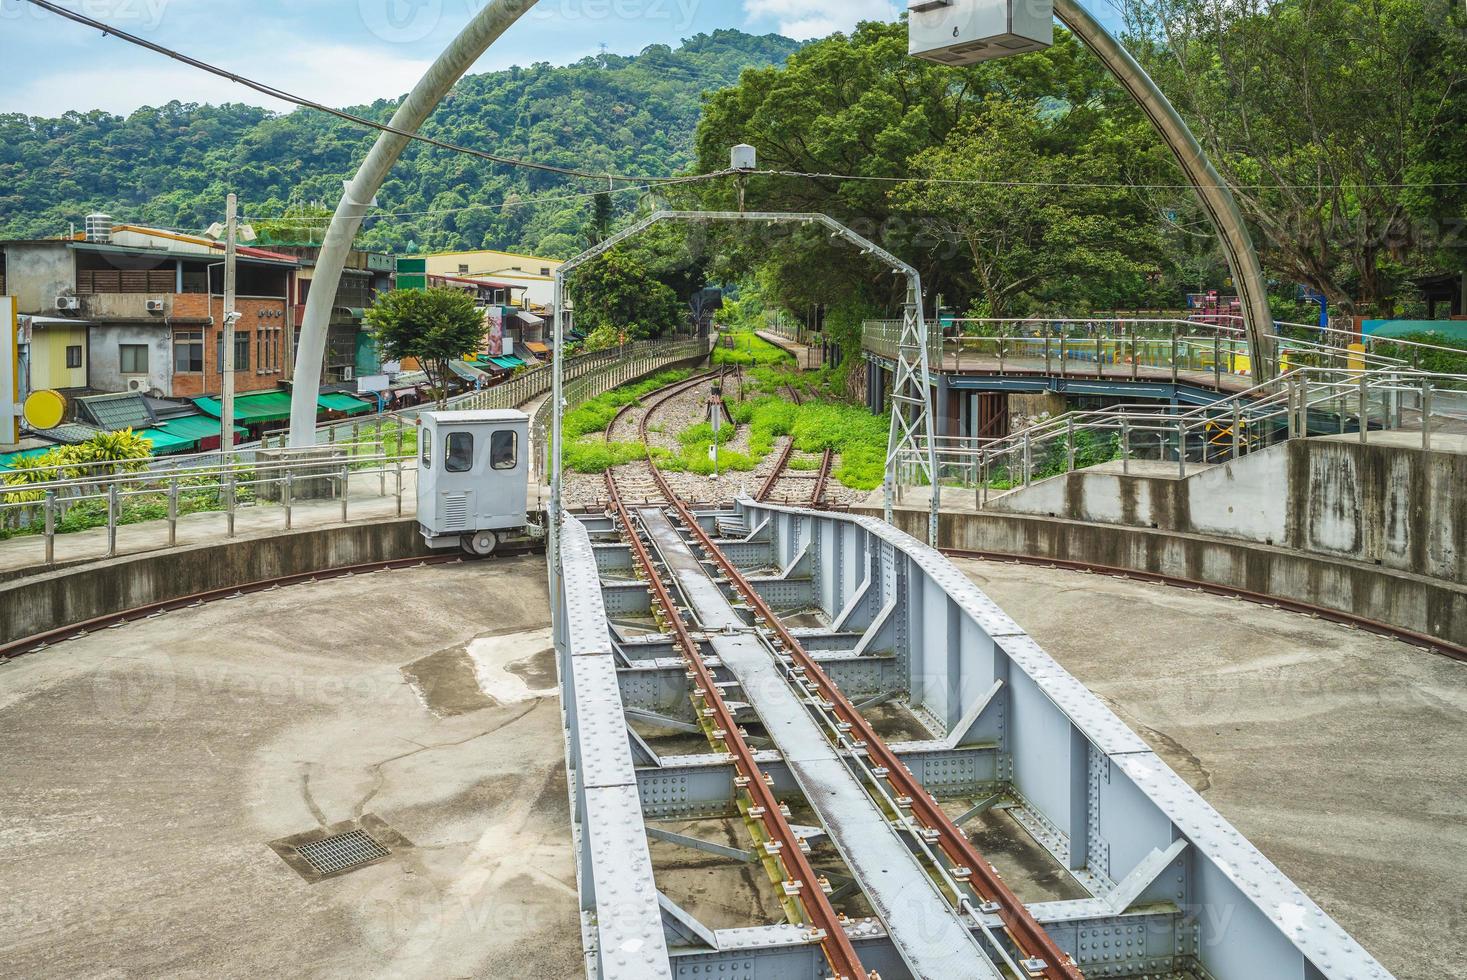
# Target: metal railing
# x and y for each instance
(349, 455)
(134, 493)
(1175, 351)
(590, 384)
(1307, 401)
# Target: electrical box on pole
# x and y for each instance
(965, 32)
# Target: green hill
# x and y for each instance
(173, 165)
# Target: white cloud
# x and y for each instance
(804, 19)
(334, 74)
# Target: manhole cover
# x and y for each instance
(341, 852)
(341, 848)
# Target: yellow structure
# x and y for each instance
(58, 356)
(9, 371)
(45, 409)
(534, 273)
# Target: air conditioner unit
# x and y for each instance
(137, 382)
(68, 303)
(155, 306)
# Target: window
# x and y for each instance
(188, 351)
(73, 356)
(463, 270)
(241, 352)
(427, 454)
(545, 270)
(460, 456)
(504, 450)
(133, 358)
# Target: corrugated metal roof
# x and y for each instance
(125, 410)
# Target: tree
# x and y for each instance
(619, 291)
(435, 327)
(859, 105)
(1042, 216)
(1322, 114)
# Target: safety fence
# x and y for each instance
(360, 469)
(597, 382)
(1216, 355)
(1308, 401)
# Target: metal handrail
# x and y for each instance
(1056, 345)
(1225, 429)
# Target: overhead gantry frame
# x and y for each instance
(910, 435)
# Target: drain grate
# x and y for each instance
(342, 851)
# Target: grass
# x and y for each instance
(597, 414)
(596, 456)
(849, 430)
(750, 351)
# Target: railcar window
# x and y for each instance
(504, 450)
(427, 453)
(460, 455)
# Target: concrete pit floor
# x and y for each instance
(147, 769)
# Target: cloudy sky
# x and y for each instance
(342, 52)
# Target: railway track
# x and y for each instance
(661, 395)
(782, 472)
(967, 881)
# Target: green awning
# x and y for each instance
(274, 406)
(195, 427)
(252, 408)
(507, 363)
(165, 443)
(338, 401)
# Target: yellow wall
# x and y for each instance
(490, 263)
(48, 357)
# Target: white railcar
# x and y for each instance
(473, 479)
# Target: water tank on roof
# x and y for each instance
(99, 228)
(965, 32)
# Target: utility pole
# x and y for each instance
(226, 399)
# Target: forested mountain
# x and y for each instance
(173, 165)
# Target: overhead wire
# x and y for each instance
(305, 103)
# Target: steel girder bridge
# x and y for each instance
(1171, 889)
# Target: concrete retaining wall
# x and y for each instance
(1386, 595)
(69, 596)
(1387, 505)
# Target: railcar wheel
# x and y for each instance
(480, 544)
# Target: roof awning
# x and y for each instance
(337, 401)
(165, 443)
(506, 363)
(251, 409)
(529, 318)
(194, 427)
(535, 347)
(466, 371)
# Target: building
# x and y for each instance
(128, 308)
(536, 275)
(350, 351)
